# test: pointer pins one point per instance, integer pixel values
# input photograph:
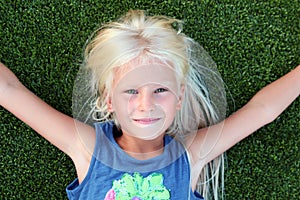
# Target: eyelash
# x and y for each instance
(133, 91)
(159, 90)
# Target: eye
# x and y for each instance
(131, 91)
(159, 90)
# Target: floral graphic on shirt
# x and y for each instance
(137, 187)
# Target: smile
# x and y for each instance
(146, 121)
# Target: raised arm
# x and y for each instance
(61, 130)
(262, 109)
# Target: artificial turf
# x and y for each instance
(252, 42)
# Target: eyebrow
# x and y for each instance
(164, 83)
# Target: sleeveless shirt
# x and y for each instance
(114, 175)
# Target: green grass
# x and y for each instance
(252, 42)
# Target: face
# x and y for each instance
(145, 99)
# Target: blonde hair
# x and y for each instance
(137, 36)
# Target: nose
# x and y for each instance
(145, 101)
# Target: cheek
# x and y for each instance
(116, 102)
(130, 104)
(123, 105)
(169, 105)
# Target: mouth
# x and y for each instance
(146, 121)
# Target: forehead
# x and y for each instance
(139, 75)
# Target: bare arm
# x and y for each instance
(74, 138)
(262, 109)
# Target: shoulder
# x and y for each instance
(89, 138)
(84, 145)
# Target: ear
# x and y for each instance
(180, 97)
(109, 105)
(178, 106)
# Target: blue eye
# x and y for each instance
(131, 91)
(159, 90)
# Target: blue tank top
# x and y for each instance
(114, 175)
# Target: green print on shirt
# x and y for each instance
(137, 187)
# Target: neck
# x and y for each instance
(141, 149)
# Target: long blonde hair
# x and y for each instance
(159, 37)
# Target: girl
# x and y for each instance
(161, 110)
